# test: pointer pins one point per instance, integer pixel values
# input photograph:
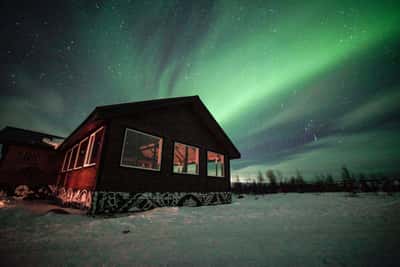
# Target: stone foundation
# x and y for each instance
(117, 202)
(101, 202)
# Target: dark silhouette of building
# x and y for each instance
(140, 155)
(27, 158)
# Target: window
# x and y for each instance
(1, 151)
(66, 160)
(215, 164)
(186, 159)
(85, 153)
(141, 150)
(82, 153)
(72, 160)
(94, 147)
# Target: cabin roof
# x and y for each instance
(110, 111)
(13, 135)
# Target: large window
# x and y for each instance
(82, 153)
(71, 163)
(186, 159)
(85, 153)
(66, 160)
(94, 147)
(215, 164)
(141, 150)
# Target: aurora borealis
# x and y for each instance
(297, 85)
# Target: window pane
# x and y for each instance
(141, 150)
(96, 143)
(82, 152)
(215, 164)
(73, 158)
(186, 159)
(66, 160)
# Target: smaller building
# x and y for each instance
(27, 158)
(136, 156)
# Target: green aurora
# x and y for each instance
(297, 85)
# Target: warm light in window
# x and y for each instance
(186, 159)
(141, 150)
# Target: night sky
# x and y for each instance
(298, 85)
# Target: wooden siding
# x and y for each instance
(28, 165)
(176, 123)
(84, 177)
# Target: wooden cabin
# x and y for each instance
(136, 156)
(27, 158)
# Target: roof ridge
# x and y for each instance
(179, 98)
(31, 131)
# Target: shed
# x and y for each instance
(27, 158)
(141, 155)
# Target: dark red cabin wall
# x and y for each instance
(85, 177)
(28, 165)
(179, 124)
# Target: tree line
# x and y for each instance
(274, 182)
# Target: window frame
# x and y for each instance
(88, 153)
(173, 156)
(77, 155)
(72, 153)
(90, 148)
(63, 167)
(223, 155)
(143, 133)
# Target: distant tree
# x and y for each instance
(329, 183)
(300, 184)
(361, 176)
(272, 181)
(260, 177)
(329, 179)
(348, 181)
(292, 184)
(284, 185)
(318, 183)
(237, 186)
(364, 187)
(388, 186)
(254, 187)
(280, 181)
(345, 173)
(260, 182)
(279, 175)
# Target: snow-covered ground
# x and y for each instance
(275, 230)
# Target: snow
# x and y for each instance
(329, 229)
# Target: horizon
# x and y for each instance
(309, 87)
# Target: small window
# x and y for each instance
(94, 147)
(186, 159)
(73, 157)
(82, 153)
(215, 164)
(66, 160)
(141, 150)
